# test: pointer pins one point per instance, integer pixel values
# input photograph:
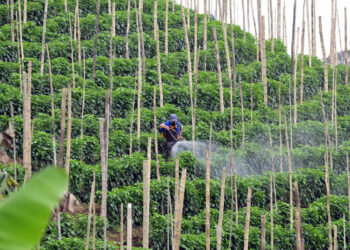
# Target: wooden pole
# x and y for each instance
(222, 108)
(146, 202)
(158, 61)
(113, 20)
(243, 13)
(263, 58)
(328, 205)
(69, 128)
(280, 127)
(271, 28)
(328, 140)
(344, 232)
(98, 6)
(27, 134)
(12, 124)
(325, 70)
(251, 97)
(234, 72)
(83, 102)
(25, 4)
(255, 30)
(20, 29)
(221, 210)
(63, 127)
(295, 81)
(298, 223)
(207, 201)
(140, 10)
(122, 226)
(78, 30)
(178, 212)
(313, 26)
(139, 77)
(293, 36)
(166, 27)
(309, 31)
(302, 63)
(132, 119)
(92, 200)
(346, 48)
(285, 40)
(273, 168)
(247, 220)
(331, 50)
(335, 236)
(271, 211)
(279, 19)
(43, 39)
(348, 175)
(290, 175)
(242, 111)
(12, 21)
(155, 130)
(127, 32)
(205, 32)
(263, 232)
(129, 227)
(52, 109)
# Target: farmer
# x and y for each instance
(172, 131)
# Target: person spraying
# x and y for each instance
(172, 132)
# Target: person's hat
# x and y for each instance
(173, 118)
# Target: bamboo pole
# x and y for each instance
(113, 20)
(98, 6)
(127, 32)
(279, 19)
(166, 27)
(328, 140)
(298, 223)
(72, 51)
(205, 32)
(158, 60)
(335, 111)
(12, 127)
(103, 167)
(93, 225)
(207, 201)
(290, 176)
(122, 226)
(188, 15)
(78, 31)
(132, 120)
(12, 21)
(263, 231)
(233, 51)
(173, 6)
(295, 80)
(25, 4)
(302, 63)
(139, 76)
(221, 210)
(335, 236)
(285, 40)
(271, 28)
(129, 227)
(346, 48)
(325, 70)
(280, 128)
(247, 220)
(27, 135)
(140, 10)
(146, 202)
(52, 110)
(331, 49)
(255, 31)
(189, 64)
(155, 130)
(328, 205)
(271, 212)
(43, 38)
(251, 97)
(83, 102)
(178, 212)
(63, 125)
(227, 51)
(92, 200)
(313, 26)
(222, 108)
(69, 128)
(170, 210)
(248, 17)
(195, 71)
(263, 58)
(309, 31)
(20, 29)
(244, 28)
(348, 175)
(344, 232)
(242, 111)
(293, 36)
(273, 168)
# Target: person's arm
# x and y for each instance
(163, 127)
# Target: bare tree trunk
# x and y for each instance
(52, 110)
(247, 220)
(346, 48)
(331, 49)
(92, 200)
(176, 200)
(93, 225)
(298, 223)
(207, 201)
(27, 134)
(271, 211)
(25, 11)
(69, 128)
(12, 22)
(221, 210)
(242, 111)
(263, 58)
(273, 169)
(263, 232)
(221, 92)
(43, 39)
(129, 227)
(293, 35)
(344, 232)
(313, 26)
(166, 26)
(325, 70)
(178, 212)
(244, 28)
(290, 176)
(328, 140)
(63, 126)
(227, 51)
(98, 6)
(127, 32)
(279, 19)
(295, 80)
(65, 6)
(142, 38)
(122, 226)
(72, 51)
(132, 120)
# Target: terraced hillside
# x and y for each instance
(252, 123)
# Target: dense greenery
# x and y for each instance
(253, 161)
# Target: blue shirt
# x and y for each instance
(168, 123)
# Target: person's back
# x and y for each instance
(172, 132)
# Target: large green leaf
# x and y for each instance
(25, 214)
